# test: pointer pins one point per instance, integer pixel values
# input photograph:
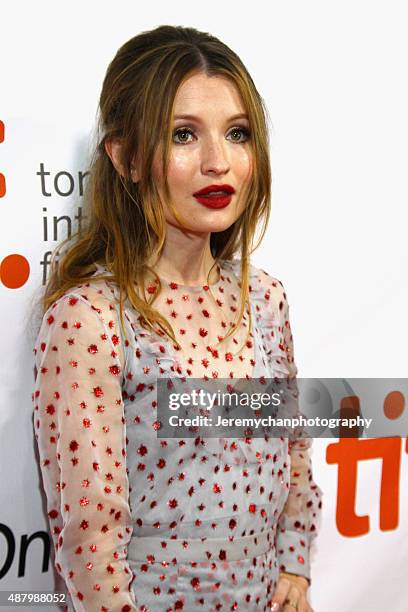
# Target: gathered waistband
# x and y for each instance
(155, 548)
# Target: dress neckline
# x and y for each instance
(226, 266)
(175, 284)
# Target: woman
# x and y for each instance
(153, 287)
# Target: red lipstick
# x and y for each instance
(215, 196)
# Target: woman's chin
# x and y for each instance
(214, 221)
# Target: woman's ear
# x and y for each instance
(113, 149)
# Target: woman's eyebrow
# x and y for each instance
(197, 119)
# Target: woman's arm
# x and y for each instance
(297, 525)
(80, 430)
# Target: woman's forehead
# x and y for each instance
(203, 94)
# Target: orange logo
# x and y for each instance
(347, 453)
(14, 271)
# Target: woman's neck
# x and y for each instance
(186, 258)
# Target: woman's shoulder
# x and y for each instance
(94, 299)
(267, 295)
(83, 315)
(263, 286)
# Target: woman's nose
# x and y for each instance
(214, 158)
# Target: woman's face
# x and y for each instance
(210, 147)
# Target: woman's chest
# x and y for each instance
(211, 340)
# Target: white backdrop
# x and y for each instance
(333, 76)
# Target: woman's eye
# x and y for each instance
(240, 131)
(181, 135)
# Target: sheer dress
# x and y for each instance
(111, 484)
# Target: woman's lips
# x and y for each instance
(215, 195)
(214, 201)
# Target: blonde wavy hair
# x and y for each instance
(125, 225)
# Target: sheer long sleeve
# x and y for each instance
(298, 522)
(297, 526)
(80, 430)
